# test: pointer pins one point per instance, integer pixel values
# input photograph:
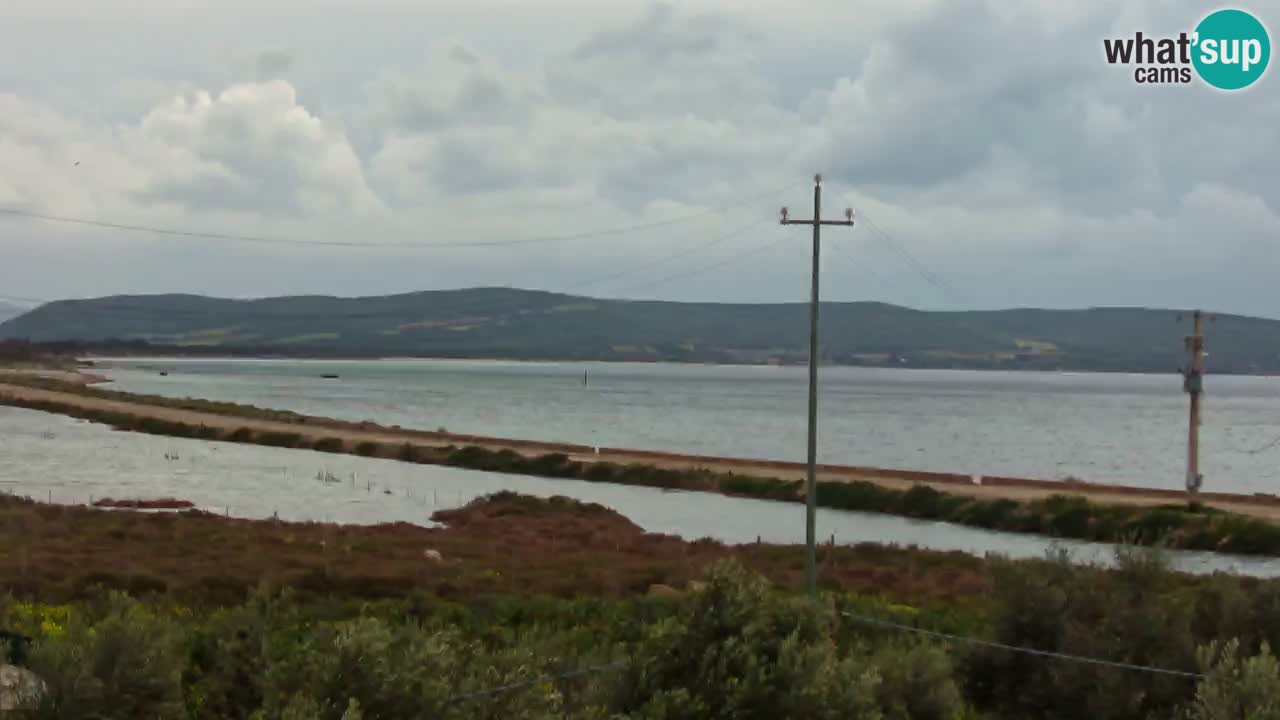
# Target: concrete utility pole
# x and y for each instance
(1193, 385)
(811, 480)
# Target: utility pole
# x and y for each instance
(1193, 385)
(811, 479)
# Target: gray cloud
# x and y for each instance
(989, 139)
(273, 64)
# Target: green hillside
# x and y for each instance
(492, 322)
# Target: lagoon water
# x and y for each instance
(64, 460)
(1114, 428)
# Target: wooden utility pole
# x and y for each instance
(1193, 385)
(811, 478)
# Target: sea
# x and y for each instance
(1126, 429)
(1097, 427)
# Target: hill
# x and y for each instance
(509, 323)
(8, 310)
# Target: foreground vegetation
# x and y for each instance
(1194, 527)
(734, 647)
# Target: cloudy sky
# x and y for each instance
(629, 149)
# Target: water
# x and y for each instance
(70, 461)
(1112, 428)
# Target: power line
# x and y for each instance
(924, 272)
(713, 242)
(486, 306)
(704, 268)
(848, 255)
(1019, 649)
(15, 298)
(503, 689)
(626, 229)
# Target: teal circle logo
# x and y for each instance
(1232, 49)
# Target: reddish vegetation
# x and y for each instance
(506, 545)
(160, 504)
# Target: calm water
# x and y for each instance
(52, 457)
(1128, 429)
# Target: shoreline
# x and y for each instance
(316, 427)
(679, 363)
(1224, 522)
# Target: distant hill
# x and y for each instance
(8, 310)
(507, 323)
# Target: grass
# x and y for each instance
(1062, 516)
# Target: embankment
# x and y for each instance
(1219, 522)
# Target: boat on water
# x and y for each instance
(329, 376)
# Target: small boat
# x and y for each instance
(329, 376)
(164, 373)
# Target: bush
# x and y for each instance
(368, 448)
(1236, 686)
(280, 439)
(917, 683)
(125, 664)
(735, 652)
(329, 445)
(1129, 615)
(386, 670)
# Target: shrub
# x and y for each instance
(917, 683)
(735, 652)
(329, 445)
(1236, 686)
(549, 465)
(857, 495)
(280, 439)
(368, 448)
(601, 472)
(126, 663)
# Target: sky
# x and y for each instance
(630, 149)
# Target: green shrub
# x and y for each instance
(329, 445)
(368, 448)
(736, 652)
(280, 439)
(1235, 685)
(917, 683)
(991, 514)
(857, 495)
(1248, 536)
(549, 465)
(758, 487)
(600, 472)
(923, 501)
(126, 663)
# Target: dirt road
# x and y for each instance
(314, 428)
